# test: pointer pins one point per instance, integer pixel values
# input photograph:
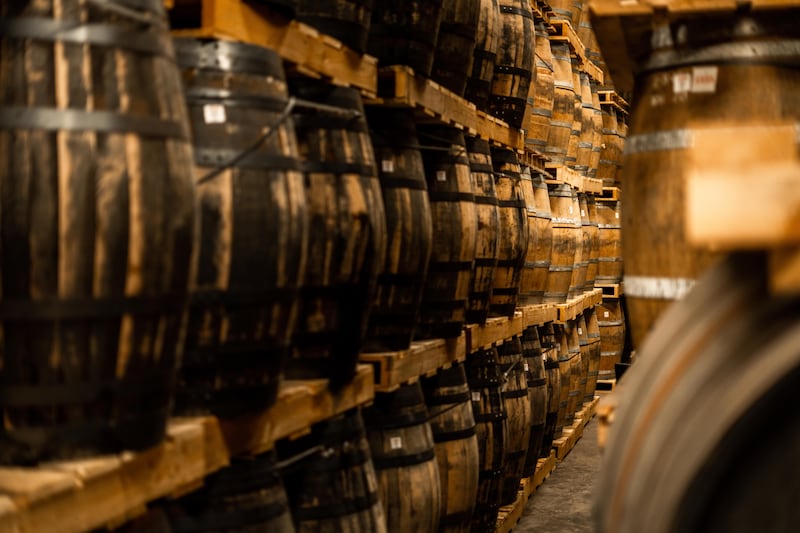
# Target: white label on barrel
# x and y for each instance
(583, 213)
(681, 82)
(605, 314)
(387, 165)
(580, 331)
(476, 396)
(214, 113)
(570, 210)
(616, 215)
(441, 175)
(396, 443)
(704, 79)
(527, 368)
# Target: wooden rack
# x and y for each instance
(310, 51)
(611, 98)
(562, 30)
(83, 495)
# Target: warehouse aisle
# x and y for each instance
(563, 504)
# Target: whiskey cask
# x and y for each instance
(484, 55)
(453, 59)
(592, 226)
(558, 137)
(347, 236)
(449, 402)
(611, 322)
(486, 383)
(544, 240)
(405, 33)
(246, 293)
(345, 20)
(575, 370)
(565, 243)
(541, 93)
(513, 69)
(537, 396)
(512, 236)
(409, 230)
(609, 224)
(99, 208)
(402, 447)
(455, 232)
(518, 410)
(488, 227)
(330, 479)
(550, 352)
(594, 350)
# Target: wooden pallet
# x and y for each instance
(573, 433)
(400, 86)
(611, 290)
(576, 306)
(534, 159)
(538, 314)
(611, 98)
(610, 194)
(561, 174)
(509, 516)
(624, 28)
(495, 330)
(562, 30)
(310, 51)
(423, 358)
(107, 491)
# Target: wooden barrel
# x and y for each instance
(246, 294)
(594, 349)
(512, 237)
(330, 480)
(486, 385)
(597, 129)
(609, 223)
(405, 33)
(583, 342)
(583, 27)
(565, 242)
(345, 20)
(537, 396)
(562, 9)
(565, 373)
(401, 443)
(610, 155)
(449, 402)
(550, 353)
(563, 104)
(541, 93)
(409, 231)
(455, 232)
(571, 158)
(582, 251)
(347, 241)
(453, 59)
(543, 244)
(655, 165)
(586, 138)
(513, 69)
(484, 55)
(98, 202)
(518, 409)
(246, 495)
(591, 225)
(574, 368)
(704, 434)
(611, 321)
(488, 227)
(527, 287)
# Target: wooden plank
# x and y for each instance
(742, 188)
(544, 467)
(508, 516)
(107, 491)
(576, 306)
(611, 290)
(495, 330)
(592, 185)
(561, 174)
(295, 42)
(302, 404)
(400, 86)
(610, 194)
(538, 314)
(572, 434)
(562, 30)
(611, 98)
(423, 358)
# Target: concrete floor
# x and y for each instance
(563, 504)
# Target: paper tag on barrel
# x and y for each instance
(742, 186)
